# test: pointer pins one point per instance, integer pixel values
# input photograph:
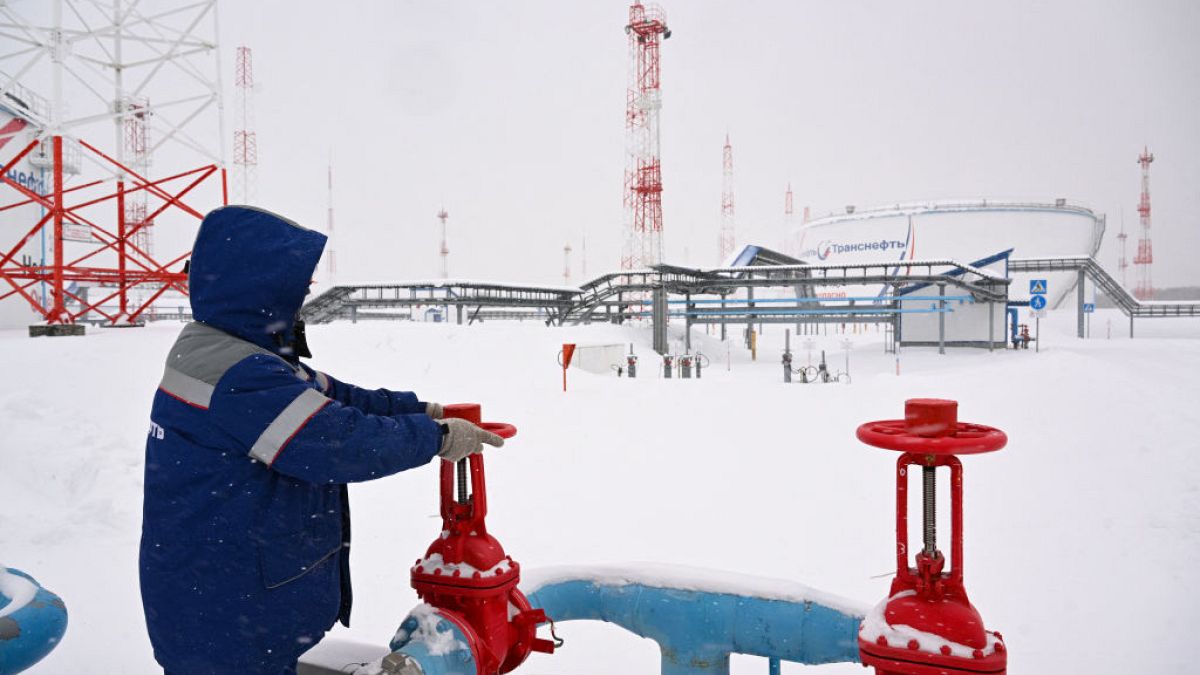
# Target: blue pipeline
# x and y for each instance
(772, 311)
(871, 299)
(28, 634)
(1013, 318)
(455, 660)
(697, 630)
(769, 311)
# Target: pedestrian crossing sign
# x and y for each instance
(1037, 286)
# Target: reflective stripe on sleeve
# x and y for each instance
(185, 388)
(323, 381)
(286, 425)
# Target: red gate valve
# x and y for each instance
(465, 573)
(927, 625)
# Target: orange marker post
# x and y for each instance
(568, 351)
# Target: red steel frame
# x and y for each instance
(134, 266)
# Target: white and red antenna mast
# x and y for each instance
(245, 141)
(1123, 263)
(726, 239)
(444, 251)
(330, 252)
(646, 29)
(788, 212)
(136, 146)
(1145, 252)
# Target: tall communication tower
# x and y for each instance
(567, 264)
(245, 140)
(1123, 263)
(136, 143)
(725, 243)
(330, 252)
(788, 216)
(444, 251)
(76, 242)
(646, 29)
(1145, 252)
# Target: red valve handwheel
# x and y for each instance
(967, 439)
(501, 429)
(471, 412)
(931, 427)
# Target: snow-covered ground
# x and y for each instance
(1082, 535)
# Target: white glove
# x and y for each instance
(434, 410)
(462, 439)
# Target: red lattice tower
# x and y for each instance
(726, 237)
(646, 29)
(1145, 251)
(245, 140)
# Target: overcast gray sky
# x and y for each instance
(511, 115)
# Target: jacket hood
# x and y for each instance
(249, 274)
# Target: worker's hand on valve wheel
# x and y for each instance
(434, 410)
(462, 438)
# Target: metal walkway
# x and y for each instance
(1087, 267)
(624, 292)
(548, 303)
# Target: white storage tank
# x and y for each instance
(960, 230)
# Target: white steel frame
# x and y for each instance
(165, 52)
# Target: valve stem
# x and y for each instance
(929, 483)
(462, 481)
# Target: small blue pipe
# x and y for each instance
(871, 298)
(1013, 318)
(31, 632)
(697, 630)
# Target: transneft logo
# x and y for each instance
(156, 431)
(828, 248)
(29, 181)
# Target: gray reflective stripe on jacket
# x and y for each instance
(286, 424)
(201, 355)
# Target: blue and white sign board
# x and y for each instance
(1037, 287)
(1037, 303)
(1089, 307)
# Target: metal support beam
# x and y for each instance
(1080, 294)
(991, 326)
(941, 318)
(659, 319)
(749, 317)
(687, 323)
(459, 309)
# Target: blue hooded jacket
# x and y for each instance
(245, 530)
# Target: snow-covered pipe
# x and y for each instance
(32, 621)
(699, 617)
(435, 643)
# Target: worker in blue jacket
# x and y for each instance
(246, 527)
